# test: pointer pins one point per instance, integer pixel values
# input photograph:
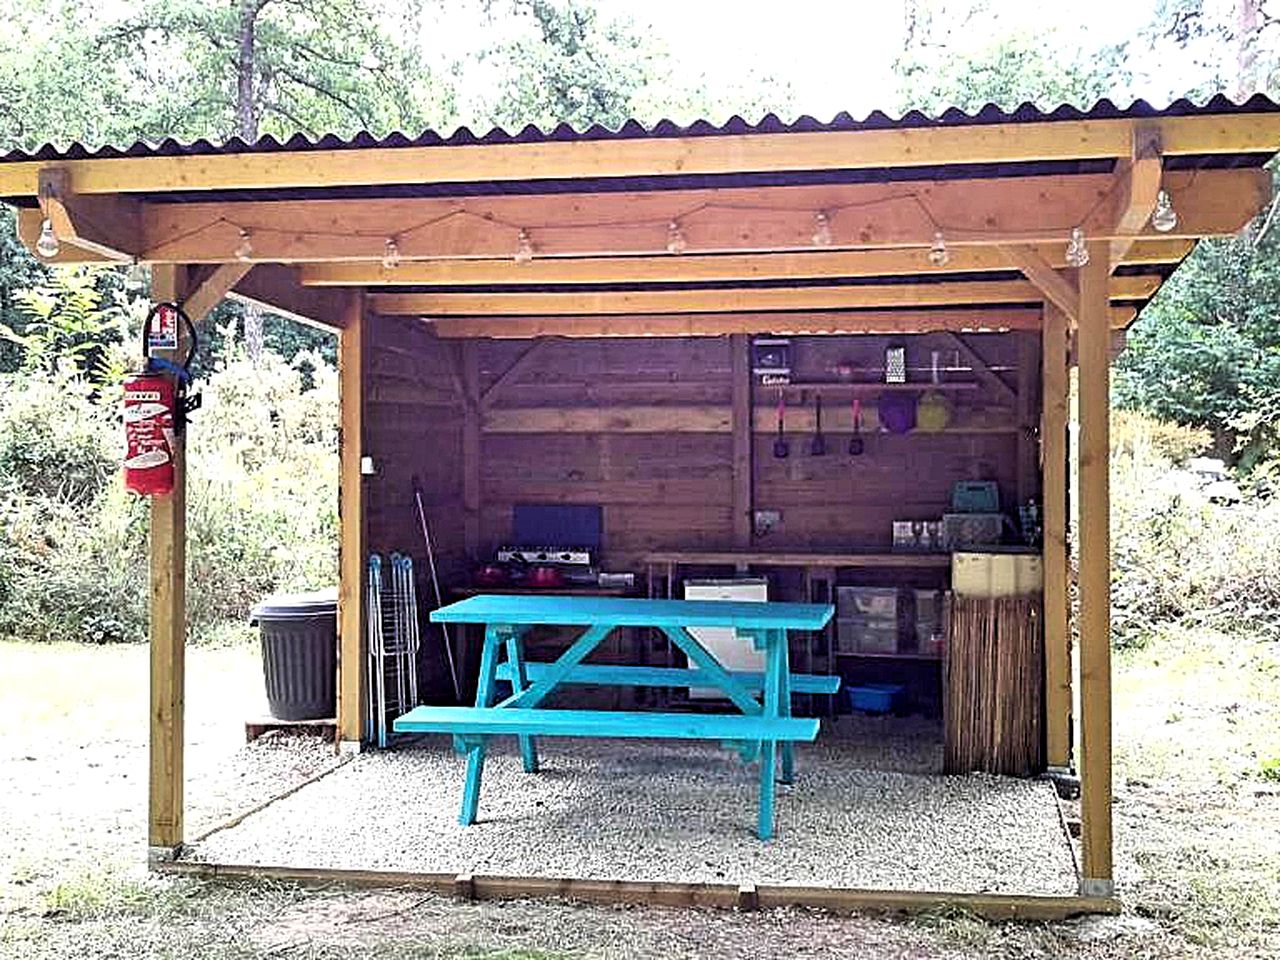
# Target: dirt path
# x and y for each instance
(1199, 855)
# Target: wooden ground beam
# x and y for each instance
(168, 624)
(1053, 452)
(1095, 576)
(353, 352)
(991, 906)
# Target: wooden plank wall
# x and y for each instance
(414, 427)
(643, 427)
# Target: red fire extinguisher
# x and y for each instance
(156, 403)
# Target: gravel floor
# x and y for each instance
(675, 811)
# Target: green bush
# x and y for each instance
(261, 502)
(1178, 556)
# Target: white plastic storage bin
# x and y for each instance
(875, 603)
(996, 574)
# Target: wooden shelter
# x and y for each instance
(566, 317)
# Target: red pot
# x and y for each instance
(545, 577)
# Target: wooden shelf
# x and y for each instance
(891, 561)
(846, 386)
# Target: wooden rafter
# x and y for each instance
(275, 287)
(832, 150)
(835, 297)
(995, 319)
(665, 268)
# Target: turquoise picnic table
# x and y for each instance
(762, 724)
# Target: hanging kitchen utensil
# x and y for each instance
(933, 412)
(818, 445)
(855, 442)
(780, 446)
(897, 412)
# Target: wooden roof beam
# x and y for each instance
(705, 267)
(701, 300)
(107, 228)
(817, 322)
(657, 156)
(1138, 182)
(974, 213)
(275, 287)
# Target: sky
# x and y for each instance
(835, 55)
(839, 55)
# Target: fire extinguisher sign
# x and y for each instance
(163, 332)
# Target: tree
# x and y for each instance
(570, 65)
(937, 69)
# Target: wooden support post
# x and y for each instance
(743, 465)
(1053, 452)
(1095, 576)
(1028, 479)
(352, 364)
(168, 624)
(470, 356)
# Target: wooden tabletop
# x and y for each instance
(929, 561)
(634, 612)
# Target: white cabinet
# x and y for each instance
(733, 651)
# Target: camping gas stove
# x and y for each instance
(560, 556)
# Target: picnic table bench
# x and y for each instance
(763, 723)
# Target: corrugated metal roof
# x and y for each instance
(633, 130)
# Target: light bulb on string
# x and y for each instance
(939, 255)
(47, 244)
(821, 229)
(1164, 218)
(676, 243)
(390, 254)
(244, 249)
(524, 247)
(137, 275)
(1077, 249)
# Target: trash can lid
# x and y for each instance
(318, 603)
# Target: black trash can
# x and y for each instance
(299, 653)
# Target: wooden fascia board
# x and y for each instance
(692, 268)
(743, 153)
(858, 296)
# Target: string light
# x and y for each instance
(390, 254)
(676, 243)
(939, 255)
(821, 229)
(47, 245)
(244, 249)
(524, 247)
(1164, 218)
(1077, 249)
